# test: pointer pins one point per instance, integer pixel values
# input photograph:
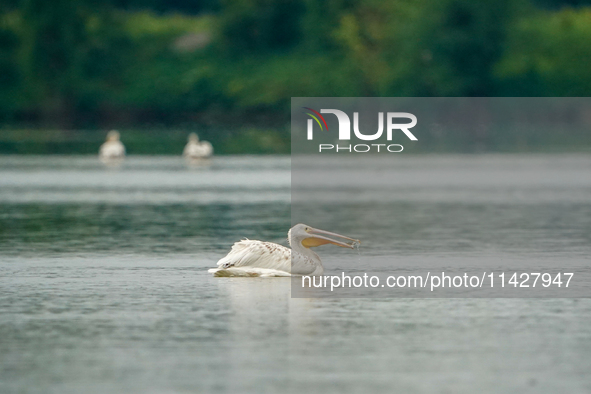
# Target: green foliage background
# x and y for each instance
(71, 70)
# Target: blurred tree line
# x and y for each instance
(90, 64)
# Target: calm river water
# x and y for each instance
(104, 285)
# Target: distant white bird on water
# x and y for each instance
(257, 258)
(112, 148)
(197, 150)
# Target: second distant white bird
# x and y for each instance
(112, 148)
(196, 149)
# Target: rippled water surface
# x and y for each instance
(104, 283)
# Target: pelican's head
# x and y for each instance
(309, 237)
(113, 135)
(193, 137)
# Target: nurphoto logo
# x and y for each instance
(392, 125)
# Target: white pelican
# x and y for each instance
(197, 150)
(258, 258)
(112, 148)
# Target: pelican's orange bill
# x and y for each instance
(320, 237)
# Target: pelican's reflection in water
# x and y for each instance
(112, 162)
(264, 326)
(197, 163)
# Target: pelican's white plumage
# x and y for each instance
(197, 150)
(113, 148)
(257, 258)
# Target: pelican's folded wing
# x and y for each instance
(247, 253)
